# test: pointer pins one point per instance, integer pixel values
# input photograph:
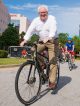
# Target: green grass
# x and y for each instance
(7, 61)
(77, 58)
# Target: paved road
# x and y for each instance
(68, 93)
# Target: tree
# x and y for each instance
(63, 38)
(10, 36)
(76, 40)
(33, 39)
(21, 36)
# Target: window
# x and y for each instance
(15, 22)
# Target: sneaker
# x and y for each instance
(52, 85)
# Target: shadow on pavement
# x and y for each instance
(42, 93)
(63, 80)
(74, 67)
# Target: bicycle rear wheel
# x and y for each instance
(57, 74)
(27, 83)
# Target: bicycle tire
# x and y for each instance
(70, 65)
(17, 90)
(58, 73)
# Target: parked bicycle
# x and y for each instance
(29, 78)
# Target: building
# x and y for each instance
(20, 21)
(4, 17)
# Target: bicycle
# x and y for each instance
(69, 59)
(28, 88)
(61, 58)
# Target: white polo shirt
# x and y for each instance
(45, 29)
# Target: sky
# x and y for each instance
(67, 12)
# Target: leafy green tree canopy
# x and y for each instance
(10, 36)
(63, 38)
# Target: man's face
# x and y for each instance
(43, 14)
(69, 41)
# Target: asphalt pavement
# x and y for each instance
(67, 93)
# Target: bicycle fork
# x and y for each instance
(32, 79)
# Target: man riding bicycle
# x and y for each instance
(45, 26)
(69, 46)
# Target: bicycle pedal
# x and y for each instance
(44, 79)
(43, 82)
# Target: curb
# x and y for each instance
(9, 66)
(14, 65)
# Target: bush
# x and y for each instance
(3, 54)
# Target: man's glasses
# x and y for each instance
(44, 15)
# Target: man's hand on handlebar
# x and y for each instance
(46, 39)
(23, 42)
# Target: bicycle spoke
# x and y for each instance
(28, 83)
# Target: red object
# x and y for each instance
(24, 52)
(71, 52)
(63, 50)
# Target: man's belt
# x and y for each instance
(41, 42)
(50, 41)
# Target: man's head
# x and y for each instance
(43, 12)
(69, 39)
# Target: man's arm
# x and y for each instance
(66, 48)
(23, 42)
(73, 48)
(29, 33)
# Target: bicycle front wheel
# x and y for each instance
(70, 64)
(27, 83)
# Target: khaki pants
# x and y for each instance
(52, 51)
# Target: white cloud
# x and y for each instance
(16, 7)
(68, 17)
(25, 6)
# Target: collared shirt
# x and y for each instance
(45, 29)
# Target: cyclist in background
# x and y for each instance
(69, 47)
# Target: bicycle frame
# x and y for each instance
(70, 62)
(69, 56)
(36, 54)
(37, 63)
